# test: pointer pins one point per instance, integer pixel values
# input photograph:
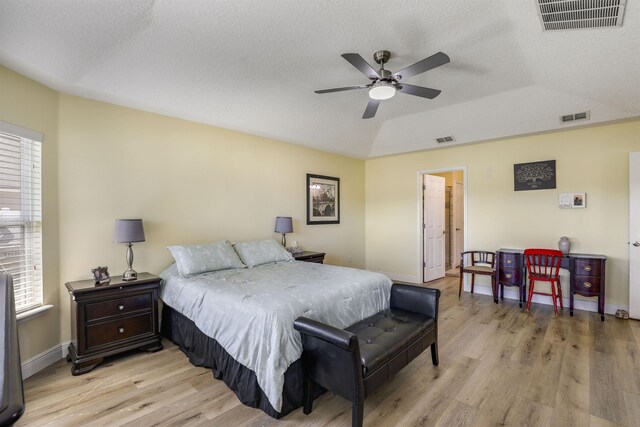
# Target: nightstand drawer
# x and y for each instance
(587, 267)
(510, 260)
(309, 256)
(511, 276)
(118, 329)
(102, 309)
(586, 285)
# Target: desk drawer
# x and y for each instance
(510, 260)
(102, 309)
(117, 330)
(510, 276)
(586, 285)
(588, 267)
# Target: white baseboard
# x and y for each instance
(578, 304)
(47, 358)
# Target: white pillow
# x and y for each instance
(196, 259)
(260, 252)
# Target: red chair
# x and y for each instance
(543, 265)
(480, 262)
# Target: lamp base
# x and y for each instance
(130, 274)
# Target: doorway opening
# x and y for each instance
(443, 221)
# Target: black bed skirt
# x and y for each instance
(206, 352)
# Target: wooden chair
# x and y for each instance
(543, 265)
(480, 262)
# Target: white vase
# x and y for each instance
(564, 244)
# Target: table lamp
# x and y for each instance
(284, 225)
(129, 231)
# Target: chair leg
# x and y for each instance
(473, 281)
(357, 413)
(460, 288)
(559, 287)
(531, 286)
(307, 396)
(494, 288)
(434, 354)
(522, 295)
(554, 296)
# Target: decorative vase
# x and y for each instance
(564, 244)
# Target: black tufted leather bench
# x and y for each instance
(357, 360)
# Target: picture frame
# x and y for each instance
(534, 175)
(572, 201)
(101, 275)
(323, 199)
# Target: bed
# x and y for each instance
(239, 321)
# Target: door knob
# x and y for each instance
(636, 244)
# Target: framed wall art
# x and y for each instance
(534, 175)
(573, 200)
(323, 199)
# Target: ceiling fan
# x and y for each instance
(384, 84)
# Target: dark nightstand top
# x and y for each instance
(307, 254)
(83, 286)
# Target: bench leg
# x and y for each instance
(307, 395)
(434, 354)
(357, 414)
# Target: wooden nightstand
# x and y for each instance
(308, 256)
(110, 319)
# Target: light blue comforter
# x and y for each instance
(250, 311)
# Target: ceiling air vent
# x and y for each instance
(445, 139)
(585, 115)
(575, 14)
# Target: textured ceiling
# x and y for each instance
(252, 66)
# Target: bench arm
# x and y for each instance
(331, 359)
(415, 299)
(338, 337)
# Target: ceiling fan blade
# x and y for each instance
(340, 89)
(371, 109)
(425, 65)
(424, 92)
(362, 65)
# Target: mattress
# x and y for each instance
(250, 311)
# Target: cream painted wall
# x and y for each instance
(592, 160)
(31, 105)
(190, 183)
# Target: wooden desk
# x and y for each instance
(586, 275)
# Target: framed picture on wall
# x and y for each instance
(573, 200)
(534, 175)
(323, 199)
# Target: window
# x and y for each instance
(21, 213)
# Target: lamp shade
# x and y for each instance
(128, 231)
(284, 224)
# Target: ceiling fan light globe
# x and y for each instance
(382, 92)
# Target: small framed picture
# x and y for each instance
(101, 275)
(323, 199)
(573, 200)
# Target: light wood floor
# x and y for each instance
(499, 365)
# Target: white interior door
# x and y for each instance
(458, 221)
(634, 235)
(434, 258)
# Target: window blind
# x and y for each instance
(21, 217)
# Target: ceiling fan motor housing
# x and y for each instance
(381, 56)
